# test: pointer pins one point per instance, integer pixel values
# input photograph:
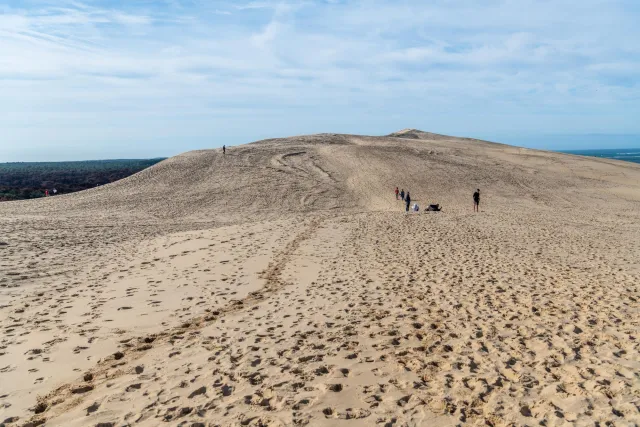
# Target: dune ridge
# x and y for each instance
(283, 284)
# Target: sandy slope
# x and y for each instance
(282, 284)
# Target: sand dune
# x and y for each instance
(282, 284)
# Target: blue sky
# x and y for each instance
(105, 79)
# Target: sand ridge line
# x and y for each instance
(114, 365)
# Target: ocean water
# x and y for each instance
(626, 154)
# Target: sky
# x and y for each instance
(143, 78)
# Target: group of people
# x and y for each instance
(52, 193)
(406, 197)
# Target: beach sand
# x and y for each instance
(282, 284)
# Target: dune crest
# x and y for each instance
(332, 171)
(283, 284)
(418, 134)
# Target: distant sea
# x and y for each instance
(627, 154)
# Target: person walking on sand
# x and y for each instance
(402, 194)
(408, 201)
(476, 201)
(397, 192)
(224, 149)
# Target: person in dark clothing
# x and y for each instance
(402, 194)
(476, 201)
(224, 149)
(408, 201)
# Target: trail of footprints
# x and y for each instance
(40, 324)
(401, 322)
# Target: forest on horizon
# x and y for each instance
(30, 180)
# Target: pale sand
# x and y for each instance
(282, 284)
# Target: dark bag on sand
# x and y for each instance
(434, 208)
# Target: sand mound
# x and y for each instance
(332, 172)
(283, 284)
(418, 134)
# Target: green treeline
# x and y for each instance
(30, 180)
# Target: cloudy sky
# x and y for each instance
(142, 78)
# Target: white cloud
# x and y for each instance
(255, 5)
(323, 58)
(267, 35)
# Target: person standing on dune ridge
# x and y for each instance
(224, 149)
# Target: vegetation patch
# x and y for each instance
(21, 180)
